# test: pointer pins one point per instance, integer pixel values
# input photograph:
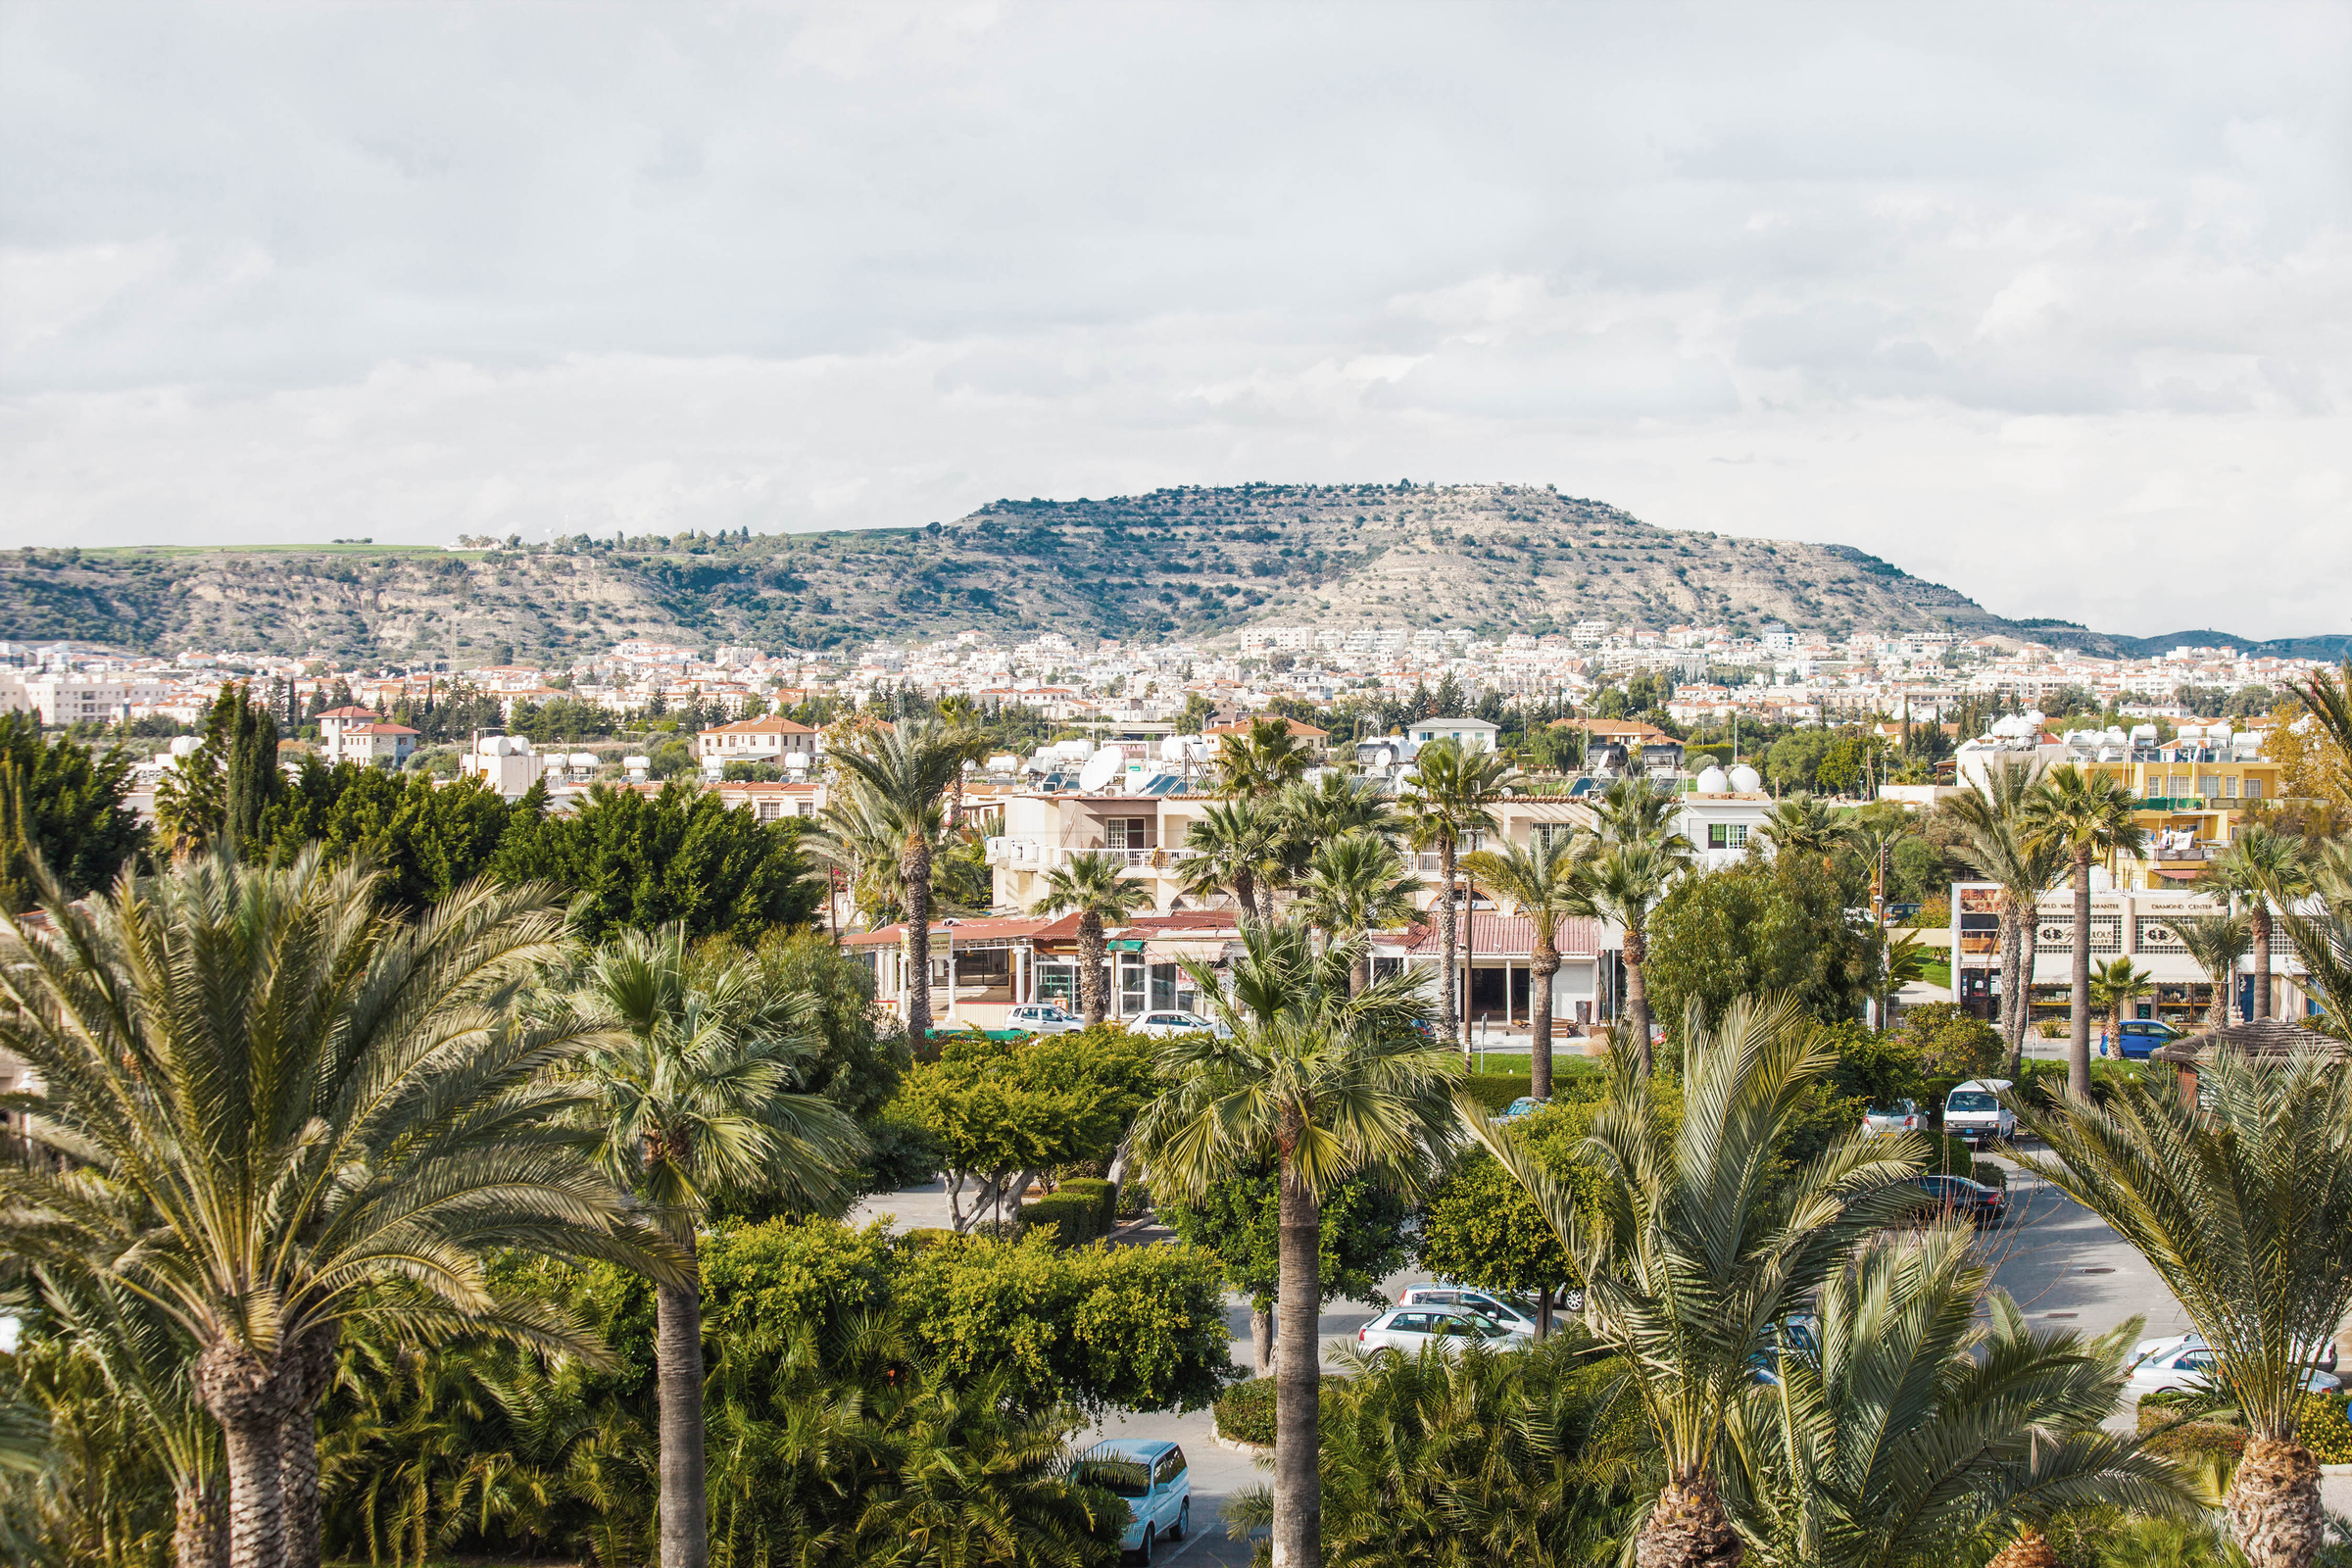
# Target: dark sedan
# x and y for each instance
(1958, 1197)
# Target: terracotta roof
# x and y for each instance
(2258, 1039)
(349, 713)
(1295, 729)
(1509, 933)
(377, 730)
(764, 725)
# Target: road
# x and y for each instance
(2062, 1265)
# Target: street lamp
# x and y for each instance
(949, 925)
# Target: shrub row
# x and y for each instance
(1076, 1217)
(1246, 1412)
(1497, 1090)
(1104, 1195)
(2191, 1439)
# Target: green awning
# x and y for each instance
(1125, 945)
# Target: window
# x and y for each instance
(2230, 786)
(1163, 985)
(2253, 789)
(1131, 985)
(1727, 835)
(1127, 833)
(2208, 786)
(1171, 1464)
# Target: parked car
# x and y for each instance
(1975, 1114)
(2138, 1038)
(2190, 1369)
(1958, 1197)
(2321, 1352)
(1792, 1335)
(1042, 1019)
(1524, 1105)
(1409, 1330)
(1152, 1477)
(1510, 1311)
(1895, 1116)
(1160, 1024)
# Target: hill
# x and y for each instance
(1194, 562)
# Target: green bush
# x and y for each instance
(1987, 1173)
(2325, 1424)
(1104, 1195)
(929, 1235)
(2192, 1439)
(1076, 1217)
(1497, 1090)
(1246, 1412)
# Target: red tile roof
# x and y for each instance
(1509, 933)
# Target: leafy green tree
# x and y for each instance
(1451, 789)
(2240, 1198)
(1546, 884)
(427, 840)
(1003, 1113)
(2086, 817)
(2115, 985)
(1933, 1421)
(1702, 1242)
(1325, 1085)
(1262, 760)
(682, 854)
(1756, 927)
(1803, 824)
(1097, 889)
(289, 1114)
(216, 794)
(1794, 762)
(698, 1094)
(65, 805)
(1239, 1222)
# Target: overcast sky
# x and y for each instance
(2054, 304)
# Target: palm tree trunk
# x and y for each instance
(2258, 926)
(1546, 963)
(2017, 989)
(2078, 1045)
(1446, 937)
(249, 1401)
(915, 867)
(314, 1366)
(1297, 1381)
(1092, 982)
(200, 1524)
(678, 1361)
(1245, 893)
(1636, 994)
(1261, 1339)
(2274, 1504)
(1359, 974)
(2216, 1011)
(1689, 1529)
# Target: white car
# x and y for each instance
(1897, 1117)
(1042, 1019)
(1409, 1330)
(1160, 1024)
(2321, 1355)
(1974, 1112)
(2190, 1367)
(1514, 1314)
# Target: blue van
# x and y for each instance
(1150, 1478)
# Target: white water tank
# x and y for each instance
(1746, 780)
(1713, 781)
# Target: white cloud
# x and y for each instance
(2051, 307)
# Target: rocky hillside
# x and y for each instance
(1199, 562)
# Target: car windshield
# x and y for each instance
(1971, 1100)
(1121, 1478)
(1891, 1110)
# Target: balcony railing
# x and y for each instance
(1035, 854)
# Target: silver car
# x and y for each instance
(1042, 1019)
(1409, 1330)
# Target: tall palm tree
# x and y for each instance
(2240, 1198)
(1235, 845)
(1932, 1420)
(2088, 815)
(1633, 808)
(2271, 871)
(1803, 824)
(330, 1115)
(1451, 789)
(1546, 884)
(2113, 986)
(1990, 819)
(1312, 814)
(1700, 1241)
(1325, 1085)
(2217, 942)
(1260, 761)
(1098, 887)
(2323, 940)
(695, 1084)
(1356, 883)
(903, 775)
(1624, 882)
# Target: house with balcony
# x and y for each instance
(982, 968)
(770, 738)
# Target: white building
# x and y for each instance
(1473, 734)
(770, 738)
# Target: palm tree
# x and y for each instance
(1546, 884)
(2217, 942)
(2087, 815)
(1624, 881)
(1098, 888)
(2271, 871)
(2323, 940)
(695, 1090)
(1633, 808)
(1451, 791)
(2240, 1198)
(1234, 845)
(1356, 883)
(1991, 818)
(1309, 815)
(1802, 824)
(2113, 986)
(1918, 1432)
(903, 775)
(2329, 701)
(1699, 1240)
(1261, 762)
(1324, 1085)
(330, 1115)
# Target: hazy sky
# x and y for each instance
(2050, 302)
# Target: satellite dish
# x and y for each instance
(1386, 757)
(1099, 769)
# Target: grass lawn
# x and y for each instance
(1938, 972)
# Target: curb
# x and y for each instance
(2325, 1469)
(1259, 1450)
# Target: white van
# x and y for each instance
(1974, 1111)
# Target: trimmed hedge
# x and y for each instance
(1076, 1217)
(1497, 1090)
(2191, 1439)
(1104, 1195)
(1246, 1412)
(2325, 1424)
